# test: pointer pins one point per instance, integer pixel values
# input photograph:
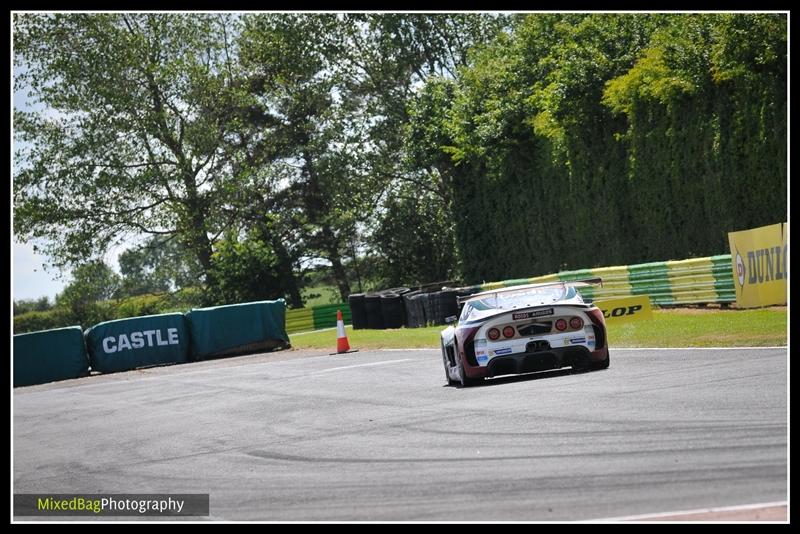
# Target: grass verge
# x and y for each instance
(668, 328)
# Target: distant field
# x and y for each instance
(668, 328)
(320, 295)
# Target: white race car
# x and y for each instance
(523, 329)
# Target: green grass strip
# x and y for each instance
(682, 327)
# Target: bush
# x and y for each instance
(34, 321)
(141, 305)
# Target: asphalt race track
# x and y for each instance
(377, 436)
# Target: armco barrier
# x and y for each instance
(237, 328)
(50, 355)
(693, 281)
(126, 344)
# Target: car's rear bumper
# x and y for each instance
(554, 358)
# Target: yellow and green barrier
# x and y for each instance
(316, 318)
(300, 320)
(692, 281)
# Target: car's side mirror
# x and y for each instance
(450, 320)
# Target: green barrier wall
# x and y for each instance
(126, 344)
(237, 328)
(50, 355)
(325, 316)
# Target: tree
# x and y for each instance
(247, 271)
(590, 140)
(29, 305)
(84, 298)
(424, 254)
(129, 131)
(157, 266)
(293, 63)
(338, 86)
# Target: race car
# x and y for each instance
(523, 329)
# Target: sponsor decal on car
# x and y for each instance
(577, 340)
(480, 343)
(500, 352)
(482, 359)
(528, 315)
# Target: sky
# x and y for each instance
(29, 279)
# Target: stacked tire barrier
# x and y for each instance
(357, 310)
(379, 310)
(428, 305)
(416, 304)
(442, 305)
(693, 281)
(393, 308)
(372, 308)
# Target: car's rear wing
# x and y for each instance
(586, 282)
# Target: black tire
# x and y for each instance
(602, 365)
(358, 311)
(392, 310)
(372, 308)
(449, 381)
(463, 379)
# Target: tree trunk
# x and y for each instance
(317, 207)
(289, 281)
(339, 274)
(198, 240)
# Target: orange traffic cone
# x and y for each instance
(342, 346)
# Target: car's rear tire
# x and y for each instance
(463, 379)
(450, 381)
(602, 365)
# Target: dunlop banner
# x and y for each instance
(626, 309)
(758, 258)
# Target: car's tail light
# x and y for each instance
(561, 325)
(576, 323)
(493, 334)
(508, 331)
